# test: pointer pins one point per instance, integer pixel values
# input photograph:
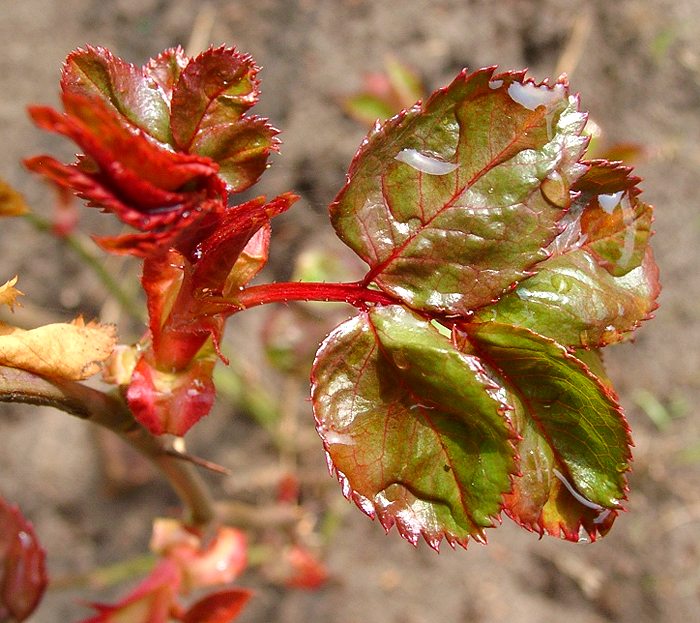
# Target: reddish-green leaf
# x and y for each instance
(615, 223)
(22, 565)
(240, 147)
(217, 87)
(412, 427)
(220, 607)
(220, 249)
(165, 70)
(95, 72)
(575, 447)
(601, 280)
(172, 402)
(453, 202)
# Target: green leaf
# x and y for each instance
(575, 441)
(96, 72)
(481, 180)
(368, 107)
(601, 281)
(412, 427)
(575, 301)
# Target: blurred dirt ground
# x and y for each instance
(637, 65)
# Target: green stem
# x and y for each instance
(111, 412)
(78, 245)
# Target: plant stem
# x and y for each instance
(112, 413)
(353, 293)
(79, 247)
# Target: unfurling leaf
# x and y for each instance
(9, 294)
(22, 566)
(209, 102)
(11, 202)
(163, 144)
(454, 201)
(172, 402)
(412, 427)
(73, 350)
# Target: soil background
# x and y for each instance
(638, 69)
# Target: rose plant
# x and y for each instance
(469, 383)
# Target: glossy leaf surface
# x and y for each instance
(134, 92)
(210, 99)
(172, 402)
(575, 442)
(22, 565)
(412, 427)
(453, 202)
(601, 280)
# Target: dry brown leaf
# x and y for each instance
(9, 294)
(11, 202)
(72, 351)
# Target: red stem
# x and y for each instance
(353, 293)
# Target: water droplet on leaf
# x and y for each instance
(531, 96)
(555, 189)
(425, 163)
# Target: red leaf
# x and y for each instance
(162, 278)
(119, 152)
(130, 175)
(171, 402)
(250, 262)
(219, 607)
(165, 70)
(220, 561)
(308, 572)
(152, 601)
(22, 565)
(216, 87)
(218, 252)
